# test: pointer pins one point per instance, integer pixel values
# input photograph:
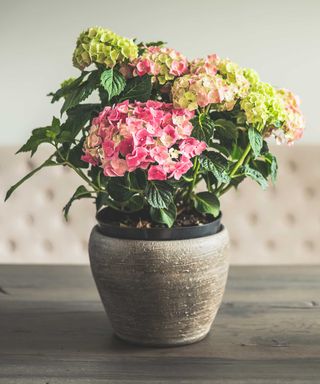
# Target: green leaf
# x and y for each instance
(113, 82)
(80, 193)
(137, 89)
(119, 190)
(222, 149)
(165, 216)
(271, 159)
(216, 164)
(75, 153)
(47, 163)
(104, 200)
(203, 127)
(78, 117)
(158, 43)
(274, 170)
(159, 194)
(226, 129)
(40, 136)
(63, 91)
(256, 141)
(256, 176)
(80, 93)
(135, 204)
(97, 176)
(206, 202)
(137, 180)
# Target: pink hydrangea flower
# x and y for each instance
(294, 124)
(163, 64)
(152, 136)
(191, 147)
(156, 172)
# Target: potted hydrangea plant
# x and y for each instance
(162, 125)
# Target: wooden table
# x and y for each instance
(53, 330)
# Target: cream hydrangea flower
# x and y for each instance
(294, 123)
(199, 90)
(229, 71)
(211, 81)
(99, 45)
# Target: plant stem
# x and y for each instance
(196, 167)
(224, 190)
(221, 190)
(209, 186)
(83, 176)
(241, 160)
(78, 172)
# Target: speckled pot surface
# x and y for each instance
(160, 293)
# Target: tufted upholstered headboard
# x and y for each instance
(278, 226)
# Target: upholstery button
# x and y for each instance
(292, 166)
(271, 245)
(290, 218)
(12, 245)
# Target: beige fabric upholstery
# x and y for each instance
(279, 226)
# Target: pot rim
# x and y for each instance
(162, 234)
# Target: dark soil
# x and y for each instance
(185, 218)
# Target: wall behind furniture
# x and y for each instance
(280, 39)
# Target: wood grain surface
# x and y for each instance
(53, 329)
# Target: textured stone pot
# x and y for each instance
(160, 293)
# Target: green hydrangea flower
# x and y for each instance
(99, 45)
(252, 76)
(263, 106)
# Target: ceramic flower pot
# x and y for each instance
(160, 292)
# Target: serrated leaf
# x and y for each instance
(104, 200)
(165, 216)
(203, 128)
(137, 180)
(274, 170)
(206, 202)
(74, 156)
(47, 163)
(62, 92)
(78, 117)
(137, 89)
(159, 194)
(80, 93)
(256, 140)
(273, 164)
(256, 176)
(40, 136)
(222, 149)
(135, 204)
(113, 82)
(212, 165)
(119, 190)
(158, 43)
(225, 130)
(80, 193)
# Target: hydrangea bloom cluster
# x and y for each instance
(199, 90)
(294, 124)
(151, 135)
(211, 81)
(164, 64)
(99, 45)
(262, 106)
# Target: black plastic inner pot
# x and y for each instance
(108, 218)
